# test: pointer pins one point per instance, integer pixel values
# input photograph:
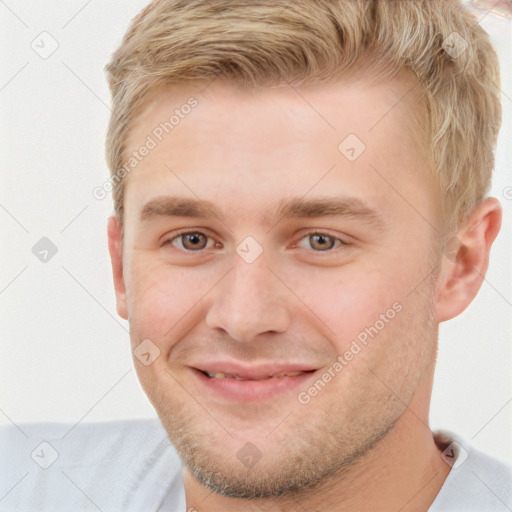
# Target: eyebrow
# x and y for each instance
(297, 207)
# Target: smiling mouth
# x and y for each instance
(221, 375)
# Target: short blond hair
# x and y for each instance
(258, 43)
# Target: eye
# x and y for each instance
(320, 242)
(191, 241)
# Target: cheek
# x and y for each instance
(350, 300)
(162, 299)
(159, 299)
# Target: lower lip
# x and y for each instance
(252, 390)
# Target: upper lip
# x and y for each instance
(259, 371)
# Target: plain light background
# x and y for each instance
(65, 354)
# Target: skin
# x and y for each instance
(363, 442)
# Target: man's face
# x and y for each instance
(264, 281)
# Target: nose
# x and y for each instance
(249, 301)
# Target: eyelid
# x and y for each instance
(170, 237)
(183, 231)
(321, 232)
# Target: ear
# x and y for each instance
(465, 260)
(115, 248)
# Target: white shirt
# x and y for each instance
(131, 466)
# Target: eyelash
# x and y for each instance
(308, 234)
(338, 241)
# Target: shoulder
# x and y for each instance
(476, 481)
(105, 465)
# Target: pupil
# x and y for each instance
(320, 242)
(193, 241)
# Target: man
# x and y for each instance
(300, 198)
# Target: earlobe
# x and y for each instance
(465, 260)
(114, 231)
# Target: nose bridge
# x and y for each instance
(249, 301)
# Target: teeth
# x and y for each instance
(217, 375)
(287, 374)
(220, 375)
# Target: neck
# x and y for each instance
(403, 471)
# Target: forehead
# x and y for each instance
(218, 142)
